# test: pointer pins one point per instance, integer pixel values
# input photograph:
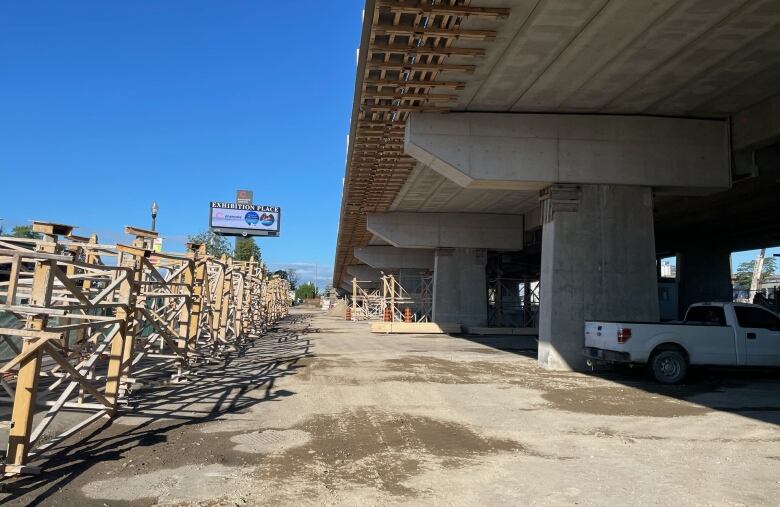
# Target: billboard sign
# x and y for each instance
(244, 196)
(233, 219)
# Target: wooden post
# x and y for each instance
(238, 300)
(116, 360)
(385, 280)
(218, 303)
(197, 298)
(30, 368)
(86, 285)
(354, 298)
(268, 301)
(13, 280)
(247, 309)
(131, 321)
(187, 290)
(392, 298)
(227, 290)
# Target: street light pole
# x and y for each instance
(155, 209)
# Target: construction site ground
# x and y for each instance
(321, 411)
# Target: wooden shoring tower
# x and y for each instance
(84, 322)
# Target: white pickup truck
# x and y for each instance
(722, 334)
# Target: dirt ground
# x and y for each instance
(323, 412)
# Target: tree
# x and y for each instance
(246, 248)
(306, 291)
(290, 275)
(744, 274)
(24, 231)
(215, 245)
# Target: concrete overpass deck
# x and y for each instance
(673, 58)
(473, 108)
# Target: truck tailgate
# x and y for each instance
(602, 335)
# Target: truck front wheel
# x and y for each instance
(669, 366)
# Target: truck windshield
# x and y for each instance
(706, 315)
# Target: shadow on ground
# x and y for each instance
(521, 345)
(752, 393)
(245, 379)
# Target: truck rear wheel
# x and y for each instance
(669, 366)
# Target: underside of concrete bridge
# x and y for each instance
(569, 143)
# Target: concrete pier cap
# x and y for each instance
(532, 151)
(365, 273)
(346, 283)
(390, 257)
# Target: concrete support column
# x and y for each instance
(598, 263)
(703, 274)
(459, 286)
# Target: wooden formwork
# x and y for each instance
(87, 321)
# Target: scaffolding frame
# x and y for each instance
(398, 299)
(513, 302)
(367, 304)
(373, 304)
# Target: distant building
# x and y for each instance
(770, 283)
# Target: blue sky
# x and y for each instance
(107, 106)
